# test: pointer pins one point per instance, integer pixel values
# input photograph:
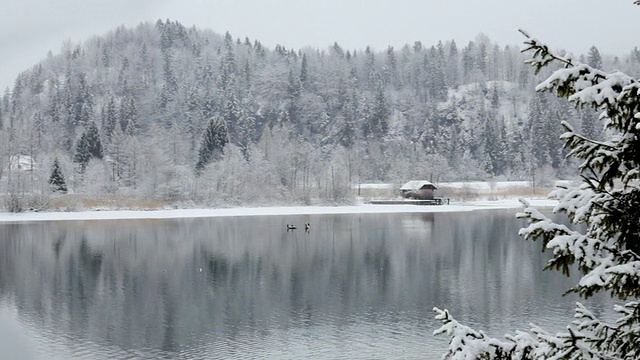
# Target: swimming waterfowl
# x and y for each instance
(291, 227)
(307, 226)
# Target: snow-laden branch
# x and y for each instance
(469, 344)
(587, 337)
(607, 201)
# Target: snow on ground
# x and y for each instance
(264, 211)
(480, 186)
(487, 186)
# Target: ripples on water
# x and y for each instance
(354, 287)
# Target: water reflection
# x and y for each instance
(355, 286)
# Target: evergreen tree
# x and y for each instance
(94, 145)
(294, 87)
(213, 142)
(539, 133)
(588, 119)
(370, 68)
(606, 251)
(105, 57)
(89, 146)
(109, 118)
(435, 73)
(494, 145)
(481, 61)
(228, 66)
(56, 180)
(37, 134)
(232, 115)
(246, 132)
(82, 110)
(170, 85)
(82, 155)
(495, 96)
(129, 116)
(517, 159)
(468, 62)
(594, 59)
(192, 111)
(502, 151)
(117, 156)
(376, 124)
(208, 109)
(123, 83)
(347, 127)
(54, 110)
(390, 68)
(452, 65)
(337, 50)
(304, 71)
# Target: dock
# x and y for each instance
(436, 201)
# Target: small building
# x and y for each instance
(418, 189)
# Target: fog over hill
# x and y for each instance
(162, 113)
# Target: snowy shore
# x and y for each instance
(512, 203)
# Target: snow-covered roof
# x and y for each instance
(417, 185)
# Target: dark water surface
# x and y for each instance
(354, 287)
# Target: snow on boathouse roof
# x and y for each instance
(417, 185)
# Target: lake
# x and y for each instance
(353, 287)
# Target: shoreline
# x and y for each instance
(502, 204)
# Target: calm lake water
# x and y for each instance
(354, 287)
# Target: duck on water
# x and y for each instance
(307, 227)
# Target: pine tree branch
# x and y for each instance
(571, 133)
(607, 253)
(542, 55)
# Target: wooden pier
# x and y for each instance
(435, 201)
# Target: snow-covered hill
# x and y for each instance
(168, 114)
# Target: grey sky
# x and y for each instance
(30, 28)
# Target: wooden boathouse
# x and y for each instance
(416, 192)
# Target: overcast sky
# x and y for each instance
(30, 28)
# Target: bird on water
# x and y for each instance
(291, 227)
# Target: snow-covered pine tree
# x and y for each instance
(109, 116)
(129, 116)
(589, 118)
(82, 108)
(376, 125)
(607, 253)
(56, 180)
(1, 117)
(539, 133)
(89, 146)
(94, 145)
(594, 59)
(245, 132)
(436, 73)
(215, 139)
(304, 71)
(82, 155)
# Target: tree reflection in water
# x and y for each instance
(245, 287)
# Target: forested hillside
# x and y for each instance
(176, 114)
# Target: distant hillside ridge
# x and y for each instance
(166, 112)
